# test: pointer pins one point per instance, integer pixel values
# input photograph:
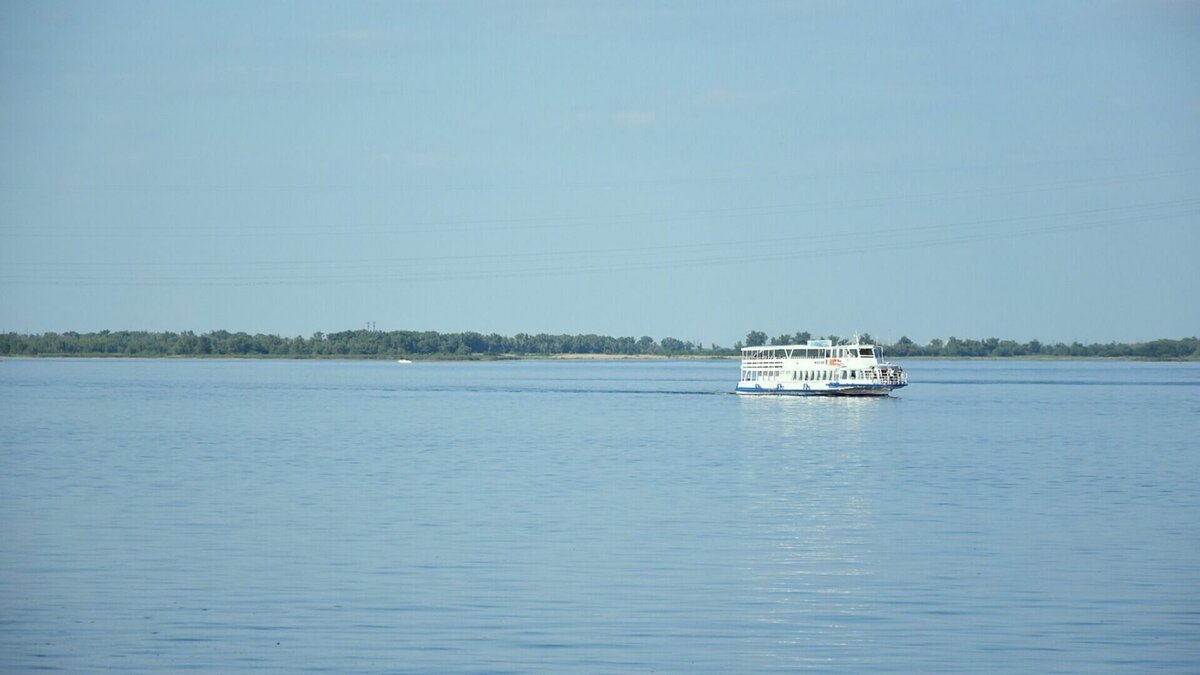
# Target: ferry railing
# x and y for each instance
(887, 377)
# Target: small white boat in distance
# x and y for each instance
(403, 361)
(818, 368)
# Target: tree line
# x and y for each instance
(953, 347)
(351, 343)
(432, 344)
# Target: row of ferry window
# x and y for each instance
(797, 375)
(803, 375)
(836, 352)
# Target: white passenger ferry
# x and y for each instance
(818, 368)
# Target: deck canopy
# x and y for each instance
(809, 351)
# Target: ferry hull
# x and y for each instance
(853, 390)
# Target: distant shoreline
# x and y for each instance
(470, 346)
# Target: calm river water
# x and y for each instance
(230, 516)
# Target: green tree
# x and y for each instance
(672, 346)
(905, 347)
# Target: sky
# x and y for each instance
(686, 169)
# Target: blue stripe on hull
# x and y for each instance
(783, 392)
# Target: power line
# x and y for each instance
(343, 230)
(1147, 208)
(1128, 215)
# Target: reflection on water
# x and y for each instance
(810, 502)
(809, 416)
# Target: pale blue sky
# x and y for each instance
(681, 169)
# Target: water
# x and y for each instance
(595, 517)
